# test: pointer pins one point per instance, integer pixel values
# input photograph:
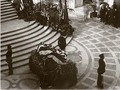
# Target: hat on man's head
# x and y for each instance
(101, 55)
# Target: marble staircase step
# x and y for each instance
(19, 63)
(16, 60)
(22, 35)
(8, 6)
(30, 43)
(7, 10)
(9, 19)
(5, 5)
(5, 2)
(25, 50)
(4, 48)
(17, 31)
(53, 39)
(23, 40)
(26, 40)
(8, 16)
(16, 65)
(19, 59)
(8, 13)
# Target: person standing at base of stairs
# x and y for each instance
(101, 70)
(9, 59)
(62, 42)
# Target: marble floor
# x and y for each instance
(91, 38)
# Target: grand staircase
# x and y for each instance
(24, 39)
(8, 12)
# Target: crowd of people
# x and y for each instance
(109, 15)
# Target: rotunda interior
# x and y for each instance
(60, 44)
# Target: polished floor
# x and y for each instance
(91, 38)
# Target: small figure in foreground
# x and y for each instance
(101, 70)
(9, 59)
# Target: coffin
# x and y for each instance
(53, 68)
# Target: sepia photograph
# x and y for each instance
(60, 44)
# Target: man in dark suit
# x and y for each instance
(102, 13)
(115, 14)
(62, 42)
(9, 59)
(101, 70)
(108, 15)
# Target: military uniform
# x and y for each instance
(101, 70)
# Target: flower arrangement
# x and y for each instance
(53, 67)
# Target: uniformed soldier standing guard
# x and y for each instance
(9, 59)
(101, 70)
